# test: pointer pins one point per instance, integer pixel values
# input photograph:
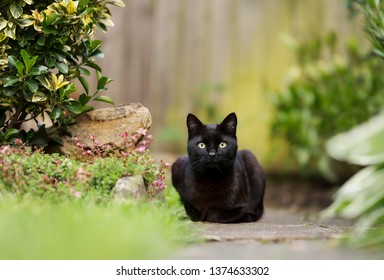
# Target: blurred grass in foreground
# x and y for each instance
(31, 228)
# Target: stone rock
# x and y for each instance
(107, 124)
(130, 187)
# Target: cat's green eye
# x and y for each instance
(201, 145)
(222, 145)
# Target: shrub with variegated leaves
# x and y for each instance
(44, 47)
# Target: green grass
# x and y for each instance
(33, 228)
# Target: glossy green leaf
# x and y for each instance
(20, 68)
(93, 45)
(50, 20)
(39, 97)
(97, 54)
(84, 99)
(3, 23)
(105, 99)
(10, 91)
(56, 113)
(32, 85)
(12, 62)
(25, 21)
(50, 61)
(118, 3)
(83, 3)
(10, 31)
(41, 41)
(362, 145)
(10, 81)
(28, 61)
(38, 70)
(25, 56)
(84, 83)
(74, 107)
(2, 38)
(86, 108)
(11, 132)
(102, 82)
(62, 67)
(16, 10)
(84, 71)
(27, 94)
(93, 65)
(44, 82)
(359, 194)
(68, 89)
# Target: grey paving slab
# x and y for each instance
(278, 235)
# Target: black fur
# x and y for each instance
(217, 183)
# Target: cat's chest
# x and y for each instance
(211, 194)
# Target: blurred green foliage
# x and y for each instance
(325, 93)
(44, 46)
(362, 197)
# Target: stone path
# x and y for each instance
(278, 235)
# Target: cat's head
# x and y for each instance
(212, 146)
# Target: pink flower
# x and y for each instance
(166, 164)
(6, 150)
(149, 137)
(124, 135)
(74, 193)
(141, 149)
(142, 131)
(159, 184)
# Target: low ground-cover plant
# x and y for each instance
(44, 47)
(324, 94)
(82, 171)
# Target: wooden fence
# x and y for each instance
(211, 57)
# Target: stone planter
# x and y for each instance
(108, 124)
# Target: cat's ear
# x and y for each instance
(194, 125)
(229, 124)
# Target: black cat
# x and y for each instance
(216, 183)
